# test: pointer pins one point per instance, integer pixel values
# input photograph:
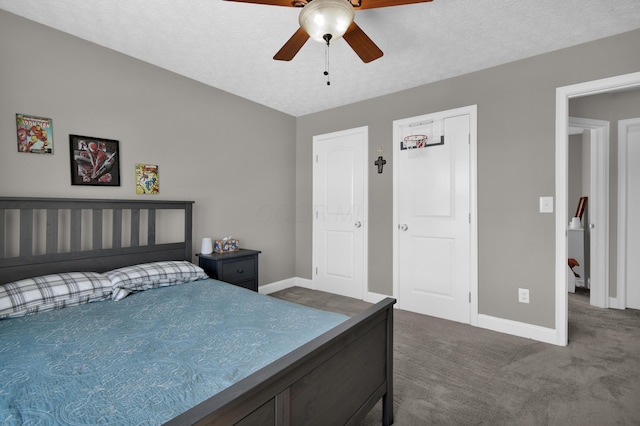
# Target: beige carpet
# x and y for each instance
(454, 374)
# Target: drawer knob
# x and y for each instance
(240, 270)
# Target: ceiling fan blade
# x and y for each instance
(372, 4)
(292, 46)
(288, 3)
(362, 44)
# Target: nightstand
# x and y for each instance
(236, 267)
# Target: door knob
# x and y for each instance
(403, 227)
(592, 225)
(358, 224)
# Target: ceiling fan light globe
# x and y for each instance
(321, 17)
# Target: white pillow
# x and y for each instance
(53, 291)
(152, 275)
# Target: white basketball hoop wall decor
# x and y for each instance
(416, 143)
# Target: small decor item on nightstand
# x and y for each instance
(226, 245)
(207, 246)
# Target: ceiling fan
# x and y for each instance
(327, 20)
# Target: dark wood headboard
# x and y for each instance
(41, 236)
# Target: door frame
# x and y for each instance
(472, 111)
(623, 144)
(563, 94)
(364, 130)
(598, 207)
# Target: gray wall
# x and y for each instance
(235, 158)
(611, 107)
(198, 136)
(516, 165)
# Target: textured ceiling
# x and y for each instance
(230, 45)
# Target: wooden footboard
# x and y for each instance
(335, 379)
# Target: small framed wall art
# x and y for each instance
(147, 180)
(35, 134)
(94, 161)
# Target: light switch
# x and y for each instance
(546, 204)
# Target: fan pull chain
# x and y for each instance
(327, 38)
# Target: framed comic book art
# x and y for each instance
(35, 134)
(147, 180)
(94, 161)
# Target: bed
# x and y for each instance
(334, 378)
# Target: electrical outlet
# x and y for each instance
(523, 295)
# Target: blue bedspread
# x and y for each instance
(147, 358)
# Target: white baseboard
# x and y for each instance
(305, 283)
(614, 303)
(374, 297)
(516, 328)
(277, 286)
(284, 284)
(370, 297)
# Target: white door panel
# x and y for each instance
(340, 222)
(629, 205)
(433, 215)
(432, 183)
(337, 264)
(433, 260)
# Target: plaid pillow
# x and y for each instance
(49, 292)
(152, 275)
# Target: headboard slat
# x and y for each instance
(135, 227)
(52, 230)
(96, 237)
(26, 232)
(2, 237)
(117, 228)
(188, 223)
(151, 227)
(76, 229)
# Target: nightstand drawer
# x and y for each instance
(238, 267)
(238, 271)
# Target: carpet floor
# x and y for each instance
(447, 373)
